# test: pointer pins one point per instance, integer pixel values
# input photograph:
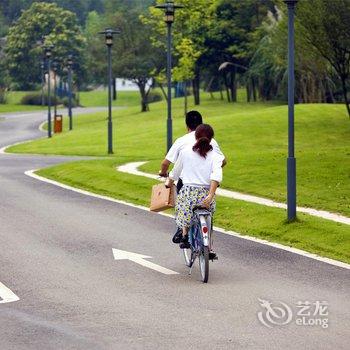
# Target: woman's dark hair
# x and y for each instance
(204, 134)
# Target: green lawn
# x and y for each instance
(95, 98)
(99, 98)
(13, 103)
(253, 137)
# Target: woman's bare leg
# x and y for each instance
(184, 231)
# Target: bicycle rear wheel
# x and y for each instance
(204, 264)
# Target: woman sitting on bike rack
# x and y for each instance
(201, 172)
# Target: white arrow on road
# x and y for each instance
(6, 295)
(140, 259)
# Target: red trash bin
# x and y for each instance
(57, 123)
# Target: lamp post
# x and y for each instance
(40, 44)
(70, 115)
(169, 10)
(55, 68)
(48, 55)
(42, 67)
(291, 161)
(109, 42)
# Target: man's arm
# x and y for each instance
(171, 157)
(217, 150)
(175, 173)
(164, 167)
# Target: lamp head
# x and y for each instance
(169, 10)
(109, 35)
(290, 3)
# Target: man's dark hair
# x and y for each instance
(193, 119)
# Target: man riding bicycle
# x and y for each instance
(201, 170)
(193, 120)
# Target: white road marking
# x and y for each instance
(132, 168)
(41, 126)
(6, 295)
(140, 259)
(337, 263)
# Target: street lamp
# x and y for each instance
(169, 11)
(48, 55)
(42, 67)
(291, 161)
(70, 115)
(40, 44)
(109, 42)
(55, 68)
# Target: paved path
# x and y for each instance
(56, 256)
(133, 169)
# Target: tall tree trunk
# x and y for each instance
(330, 90)
(114, 89)
(233, 86)
(221, 94)
(144, 99)
(226, 87)
(254, 90)
(248, 92)
(196, 87)
(163, 92)
(345, 93)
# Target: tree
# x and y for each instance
(229, 40)
(58, 26)
(95, 48)
(184, 71)
(192, 23)
(135, 56)
(326, 26)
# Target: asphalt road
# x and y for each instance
(56, 256)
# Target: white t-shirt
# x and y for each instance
(183, 141)
(196, 170)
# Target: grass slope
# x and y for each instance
(252, 136)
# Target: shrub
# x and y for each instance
(65, 102)
(154, 96)
(34, 99)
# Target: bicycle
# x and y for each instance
(200, 239)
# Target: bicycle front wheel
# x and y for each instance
(204, 264)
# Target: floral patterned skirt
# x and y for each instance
(187, 199)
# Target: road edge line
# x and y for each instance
(32, 174)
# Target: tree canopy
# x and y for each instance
(59, 28)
